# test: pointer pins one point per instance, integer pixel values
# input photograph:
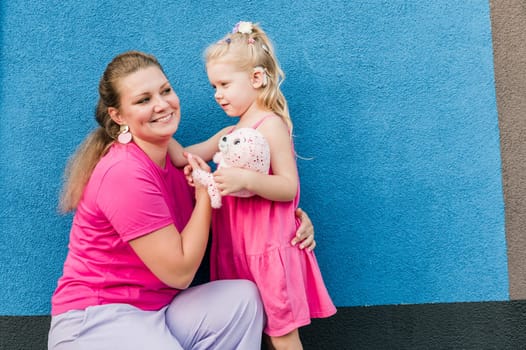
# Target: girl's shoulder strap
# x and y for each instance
(231, 130)
(259, 122)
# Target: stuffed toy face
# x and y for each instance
(244, 148)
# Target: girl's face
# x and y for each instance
(149, 106)
(234, 89)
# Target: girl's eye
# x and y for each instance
(167, 91)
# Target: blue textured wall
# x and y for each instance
(393, 101)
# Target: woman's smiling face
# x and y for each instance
(148, 105)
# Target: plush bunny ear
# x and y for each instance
(218, 157)
(207, 179)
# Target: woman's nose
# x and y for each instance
(161, 103)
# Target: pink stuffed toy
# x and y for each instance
(244, 148)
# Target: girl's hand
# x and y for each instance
(230, 180)
(305, 233)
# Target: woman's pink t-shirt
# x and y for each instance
(127, 196)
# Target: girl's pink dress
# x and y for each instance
(251, 240)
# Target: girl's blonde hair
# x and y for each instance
(80, 166)
(248, 47)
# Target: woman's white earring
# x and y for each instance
(125, 135)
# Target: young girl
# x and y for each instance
(251, 236)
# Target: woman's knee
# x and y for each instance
(219, 311)
(225, 301)
(246, 292)
(248, 315)
(246, 289)
(243, 299)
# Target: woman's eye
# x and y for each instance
(143, 100)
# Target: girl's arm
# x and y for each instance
(176, 152)
(175, 257)
(205, 149)
(282, 185)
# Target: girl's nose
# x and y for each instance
(218, 95)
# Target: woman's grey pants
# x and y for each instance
(224, 315)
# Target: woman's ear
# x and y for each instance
(115, 115)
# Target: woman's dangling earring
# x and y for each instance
(125, 135)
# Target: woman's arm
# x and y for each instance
(175, 257)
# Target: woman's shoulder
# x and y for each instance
(123, 159)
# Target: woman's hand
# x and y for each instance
(195, 162)
(305, 233)
(188, 170)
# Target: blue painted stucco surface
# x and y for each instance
(395, 117)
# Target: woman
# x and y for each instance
(140, 232)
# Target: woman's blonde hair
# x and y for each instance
(249, 47)
(81, 164)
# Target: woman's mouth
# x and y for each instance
(163, 119)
